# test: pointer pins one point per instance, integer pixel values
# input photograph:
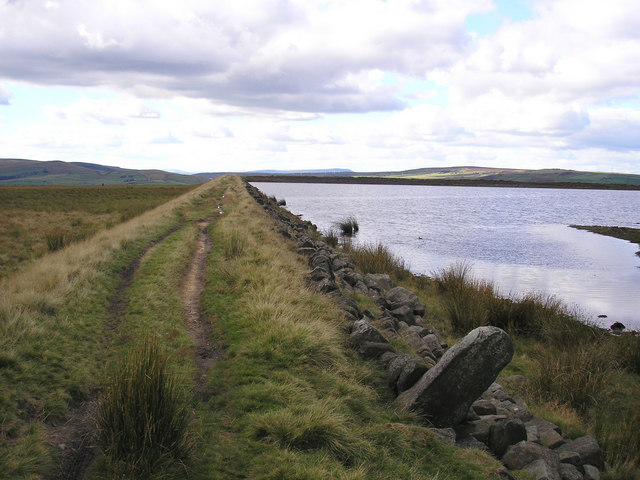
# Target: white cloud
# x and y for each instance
(295, 55)
(5, 96)
(362, 84)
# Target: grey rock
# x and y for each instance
(326, 285)
(478, 429)
(378, 281)
(507, 474)
(543, 425)
(483, 407)
(350, 277)
(540, 469)
(388, 323)
(471, 442)
(551, 439)
(588, 449)
(532, 434)
(404, 313)
(434, 344)
(571, 458)
(447, 435)
(591, 473)
(363, 331)
(570, 472)
(404, 371)
(339, 263)
(399, 296)
(373, 350)
(505, 433)
(308, 251)
(319, 273)
(387, 357)
(523, 453)
(444, 394)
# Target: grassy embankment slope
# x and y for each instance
(284, 399)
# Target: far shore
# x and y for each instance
(433, 182)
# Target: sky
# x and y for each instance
(368, 85)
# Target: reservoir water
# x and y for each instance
(519, 238)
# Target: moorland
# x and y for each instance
(191, 309)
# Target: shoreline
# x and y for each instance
(623, 233)
(434, 182)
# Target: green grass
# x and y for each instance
(289, 400)
(55, 334)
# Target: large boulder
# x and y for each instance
(444, 394)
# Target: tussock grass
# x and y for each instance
(142, 417)
(235, 244)
(577, 376)
(626, 351)
(348, 227)
(331, 238)
(377, 258)
(55, 240)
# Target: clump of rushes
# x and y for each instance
(349, 226)
(466, 300)
(142, 418)
(55, 240)
(377, 258)
(235, 244)
(331, 237)
(575, 376)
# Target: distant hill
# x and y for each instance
(552, 175)
(14, 171)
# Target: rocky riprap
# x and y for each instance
(453, 389)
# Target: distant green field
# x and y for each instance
(34, 220)
(525, 176)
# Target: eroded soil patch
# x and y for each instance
(206, 350)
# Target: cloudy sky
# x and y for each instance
(204, 85)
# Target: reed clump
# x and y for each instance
(235, 244)
(142, 418)
(331, 238)
(377, 258)
(55, 240)
(575, 376)
(348, 227)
